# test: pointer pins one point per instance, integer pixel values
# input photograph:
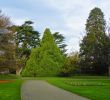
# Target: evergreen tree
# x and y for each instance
(46, 60)
(26, 39)
(94, 51)
(59, 40)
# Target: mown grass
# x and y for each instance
(10, 90)
(9, 76)
(93, 88)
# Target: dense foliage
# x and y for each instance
(21, 47)
(71, 65)
(59, 40)
(95, 46)
(26, 39)
(46, 60)
(7, 46)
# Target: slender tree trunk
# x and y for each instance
(18, 71)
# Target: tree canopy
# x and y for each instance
(26, 39)
(45, 60)
(7, 45)
(59, 40)
(94, 49)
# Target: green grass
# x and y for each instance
(93, 88)
(10, 90)
(90, 77)
(9, 76)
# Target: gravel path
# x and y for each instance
(41, 90)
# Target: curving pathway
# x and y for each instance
(41, 90)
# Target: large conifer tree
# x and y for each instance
(45, 60)
(94, 49)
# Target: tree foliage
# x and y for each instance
(59, 40)
(71, 65)
(45, 60)
(95, 46)
(26, 39)
(7, 46)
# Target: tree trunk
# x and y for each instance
(18, 71)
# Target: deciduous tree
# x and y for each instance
(7, 45)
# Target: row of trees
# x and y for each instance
(93, 57)
(22, 46)
(17, 42)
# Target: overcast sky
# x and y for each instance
(65, 16)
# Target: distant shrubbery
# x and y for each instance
(71, 65)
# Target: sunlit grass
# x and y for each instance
(94, 89)
(10, 90)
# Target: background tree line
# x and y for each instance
(22, 49)
(94, 54)
(18, 41)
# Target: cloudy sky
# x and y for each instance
(65, 16)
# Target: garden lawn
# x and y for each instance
(94, 88)
(10, 90)
(9, 77)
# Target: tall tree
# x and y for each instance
(26, 38)
(94, 49)
(59, 40)
(45, 60)
(7, 46)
